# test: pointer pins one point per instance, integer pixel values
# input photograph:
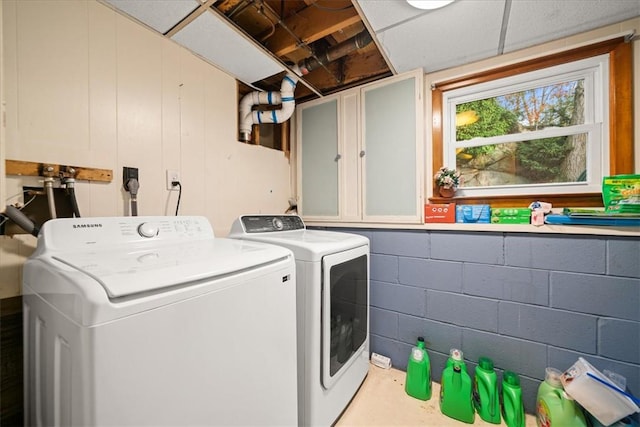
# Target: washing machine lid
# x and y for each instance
(123, 262)
(127, 271)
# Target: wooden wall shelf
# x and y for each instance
(18, 167)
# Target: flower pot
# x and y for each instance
(446, 192)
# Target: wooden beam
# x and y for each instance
(311, 24)
(353, 68)
(22, 168)
(621, 125)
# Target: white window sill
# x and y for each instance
(496, 228)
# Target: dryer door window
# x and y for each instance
(345, 310)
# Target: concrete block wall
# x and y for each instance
(527, 301)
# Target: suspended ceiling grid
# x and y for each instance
(256, 40)
(471, 30)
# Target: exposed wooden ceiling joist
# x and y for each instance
(295, 30)
(310, 25)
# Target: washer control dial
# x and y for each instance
(277, 224)
(148, 229)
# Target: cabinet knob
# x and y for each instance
(338, 157)
(362, 153)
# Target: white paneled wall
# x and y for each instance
(86, 86)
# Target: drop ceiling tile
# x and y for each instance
(211, 37)
(159, 15)
(532, 22)
(383, 14)
(463, 32)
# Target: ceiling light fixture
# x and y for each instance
(429, 4)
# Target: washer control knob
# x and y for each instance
(148, 229)
(277, 224)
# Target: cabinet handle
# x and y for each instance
(362, 153)
(338, 157)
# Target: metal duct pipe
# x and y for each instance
(356, 42)
(285, 97)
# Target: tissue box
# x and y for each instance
(478, 214)
(445, 212)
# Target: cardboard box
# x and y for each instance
(621, 193)
(479, 214)
(510, 219)
(443, 213)
(537, 217)
(526, 212)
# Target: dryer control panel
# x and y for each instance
(271, 223)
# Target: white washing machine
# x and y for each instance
(153, 321)
(332, 271)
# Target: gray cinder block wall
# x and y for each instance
(528, 301)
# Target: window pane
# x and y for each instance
(555, 105)
(540, 161)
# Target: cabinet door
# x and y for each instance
(392, 145)
(318, 159)
(349, 168)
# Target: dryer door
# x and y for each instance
(345, 310)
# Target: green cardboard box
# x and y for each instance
(621, 193)
(510, 219)
(523, 212)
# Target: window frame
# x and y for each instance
(620, 118)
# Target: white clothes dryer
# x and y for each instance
(332, 270)
(150, 321)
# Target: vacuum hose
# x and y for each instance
(16, 215)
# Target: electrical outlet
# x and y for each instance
(171, 177)
(127, 174)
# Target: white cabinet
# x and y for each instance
(360, 153)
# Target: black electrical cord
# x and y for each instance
(177, 184)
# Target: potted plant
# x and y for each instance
(447, 181)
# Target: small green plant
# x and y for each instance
(447, 178)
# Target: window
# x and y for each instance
(547, 129)
(536, 132)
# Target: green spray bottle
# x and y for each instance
(485, 391)
(553, 406)
(456, 399)
(418, 381)
(512, 405)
